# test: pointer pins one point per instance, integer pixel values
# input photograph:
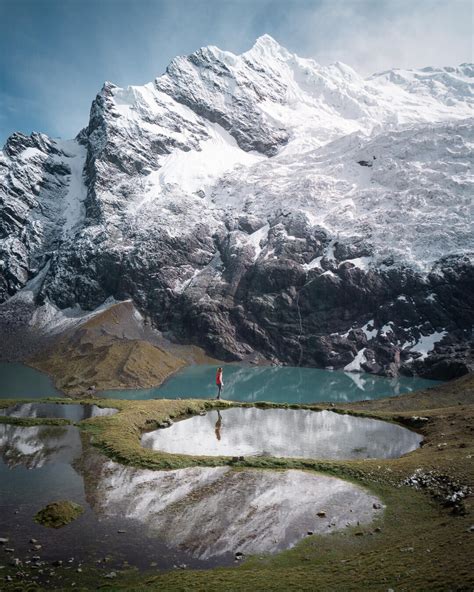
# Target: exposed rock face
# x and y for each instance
(260, 205)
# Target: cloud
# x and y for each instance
(55, 55)
(372, 36)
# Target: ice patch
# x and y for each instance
(256, 238)
(31, 153)
(360, 262)
(369, 333)
(316, 262)
(354, 366)
(386, 329)
(180, 286)
(197, 170)
(73, 207)
(426, 343)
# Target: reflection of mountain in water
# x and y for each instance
(285, 432)
(278, 384)
(295, 383)
(214, 511)
(36, 446)
(205, 513)
(72, 411)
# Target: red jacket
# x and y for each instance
(219, 378)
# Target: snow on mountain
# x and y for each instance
(387, 190)
(42, 195)
(236, 195)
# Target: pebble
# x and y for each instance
(9, 550)
(3, 541)
(121, 531)
(321, 514)
(310, 532)
(376, 506)
(33, 541)
(110, 575)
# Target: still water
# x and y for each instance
(197, 516)
(284, 433)
(277, 384)
(72, 411)
(241, 383)
(19, 381)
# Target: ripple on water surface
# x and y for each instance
(283, 433)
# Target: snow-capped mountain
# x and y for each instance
(261, 204)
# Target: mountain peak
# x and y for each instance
(266, 45)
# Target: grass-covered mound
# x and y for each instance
(111, 350)
(58, 514)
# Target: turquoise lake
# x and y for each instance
(19, 381)
(241, 383)
(277, 384)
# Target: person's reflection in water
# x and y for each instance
(217, 428)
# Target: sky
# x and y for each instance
(56, 54)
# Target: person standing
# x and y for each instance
(219, 382)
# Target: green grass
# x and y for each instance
(58, 514)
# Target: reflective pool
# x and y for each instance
(198, 516)
(72, 411)
(283, 433)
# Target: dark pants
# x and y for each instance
(219, 389)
